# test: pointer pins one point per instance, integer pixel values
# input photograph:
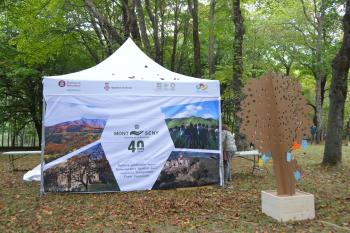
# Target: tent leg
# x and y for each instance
(42, 191)
(221, 166)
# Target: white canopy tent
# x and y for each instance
(131, 122)
(130, 65)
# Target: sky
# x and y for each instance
(64, 112)
(207, 109)
(58, 112)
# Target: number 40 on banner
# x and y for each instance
(136, 146)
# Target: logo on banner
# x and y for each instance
(202, 86)
(62, 83)
(110, 86)
(137, 136)
(107, 87)
(139, 145)
(165, 86)
(72, 86)
(136, 132)
(172, 86)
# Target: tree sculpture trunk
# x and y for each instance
(337, 96)
(238, 71)
(275, 116)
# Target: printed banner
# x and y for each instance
(94, 144)
(200, 88)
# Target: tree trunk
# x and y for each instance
(318, 104)
(133, 25)
(8, 135)
(104, 23)
(193, 8)
(288, 68)
(92, 52)
(320, 72)
(184, 44)
(129, 20)
(38, 125)
(337, 96)
(125, 15)
(154, 21)
(238, 72)
(34, 141)
(162, 32)
(211, 59)
(348, 132)
(175, 35)
(3, 135)
(22, 137)
(143, 30)
(316, 19)
(14, 135)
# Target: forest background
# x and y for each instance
(228, 40)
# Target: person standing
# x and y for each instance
(229, 148)
(313, 134)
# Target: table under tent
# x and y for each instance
(130, 124)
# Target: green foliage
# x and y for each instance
(57, 37)
(178, 122)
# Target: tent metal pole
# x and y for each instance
(221, 166)
(42, 191)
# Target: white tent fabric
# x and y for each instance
(126, 114)
(33, 175)
(129, 66)
(126, 62)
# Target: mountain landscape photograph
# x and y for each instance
(66, 137)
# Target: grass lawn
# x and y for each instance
(235, 208)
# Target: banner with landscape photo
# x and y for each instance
(88, 171)
(98, 148)
(195, 125)
(189, 169)
(65, 137)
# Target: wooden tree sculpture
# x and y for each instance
(274, 117)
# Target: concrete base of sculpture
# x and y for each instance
(300, 206)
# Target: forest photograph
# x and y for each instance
(194, 125)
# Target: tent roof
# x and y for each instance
(127, 63)
(128, 71)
